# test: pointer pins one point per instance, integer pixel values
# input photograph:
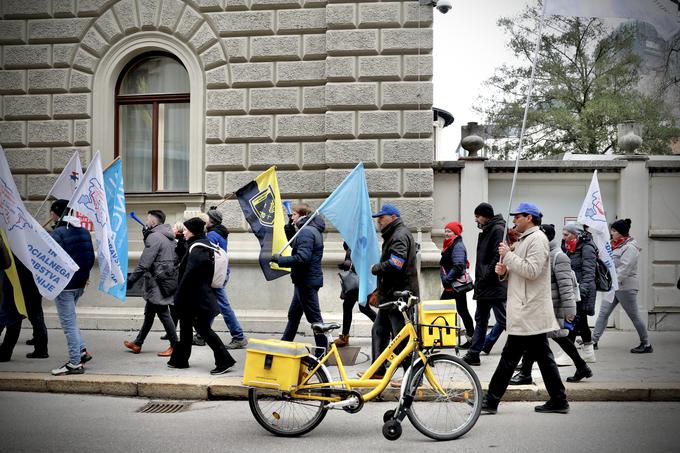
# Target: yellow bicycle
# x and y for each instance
(440, 394)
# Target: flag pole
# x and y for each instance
(42, 204)
(537, 48)
(112, 162)
(311, 216)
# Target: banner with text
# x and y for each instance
(115, 198)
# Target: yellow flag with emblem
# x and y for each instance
(13, 277)
(260, 202)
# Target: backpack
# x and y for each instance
(603, 279)
(220, 264)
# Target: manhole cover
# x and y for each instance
(164, 408)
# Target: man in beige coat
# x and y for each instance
(530, 314)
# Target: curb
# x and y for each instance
(209, 388)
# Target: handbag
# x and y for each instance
(349, 281)
(463, 284)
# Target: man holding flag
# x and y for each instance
(77, 242)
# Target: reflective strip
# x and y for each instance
(280, 347)
(438, 306)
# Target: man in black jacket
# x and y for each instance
(306, 272)
(396, 271)
(490, 292)
(195, 300)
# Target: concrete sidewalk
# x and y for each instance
(618, 374)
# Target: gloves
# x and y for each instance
(275, 258)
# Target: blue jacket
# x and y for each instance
(305, 259)
(453, 262)
(219, 234)
(77, 242)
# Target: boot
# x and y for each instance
(588, 353)
(581, 373)
(562, 359)
(342, 341)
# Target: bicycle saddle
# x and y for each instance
(323, 327)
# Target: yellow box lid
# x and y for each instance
(281, 347)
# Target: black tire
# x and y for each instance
(392, 430)
(388, 415)
(452, 414)
(280, 414)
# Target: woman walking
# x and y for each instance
(349, 300)
(454, 265)
(625, 252)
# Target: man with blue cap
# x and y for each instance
(396, 271)
(530, 314)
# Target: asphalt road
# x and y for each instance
(36, 422)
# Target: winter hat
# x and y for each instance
(157, 213)
(573, 228)
(549, 231)
(215, 216)
(622, 226)
(59, 206)
(456, 227)
(484, 210)
(195, 225)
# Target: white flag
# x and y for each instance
(51, 266)
(68, 180)
(90, 199)
(663, 14)
(593, 214)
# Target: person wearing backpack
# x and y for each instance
(195, 299)
(157, 267)
(564, 290)
(625, 252)
(219, 234)
(581, 250)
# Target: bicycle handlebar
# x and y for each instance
(400, 304)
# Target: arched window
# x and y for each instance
(152, 124)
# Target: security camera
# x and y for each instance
(444, 6)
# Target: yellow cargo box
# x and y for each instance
(437, 320)
(273, 364)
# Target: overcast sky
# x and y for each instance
(468, 46)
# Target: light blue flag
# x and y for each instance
(349, 210)
(115, 198)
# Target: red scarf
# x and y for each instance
(570, 245)
(448, 242)
(616, 243)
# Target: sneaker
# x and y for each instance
(581, 373)
(220, 370)
(30, 342)
(68, 368)
(37, 355)
(134, 347)
(465, 345)
(472, 359)
(85, 356)
(488, 407)
(643, 349)
(521, 379)
(486, 350)
(562, 359)
(171, 364)
(198, 341)
(552, 407)
(237, 344)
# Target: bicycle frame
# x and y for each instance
(377, 385)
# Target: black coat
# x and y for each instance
(396, 270)
(453, 263)
(305, 258)
(584, 263)
(194, 294)
(487, 283)
(77, 242)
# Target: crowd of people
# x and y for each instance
(536, 287)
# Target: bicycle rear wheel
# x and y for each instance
(283, 415)
(447, 397)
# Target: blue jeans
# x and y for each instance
(66, 309)
(228, 314)
(484, 307)
(492, 336)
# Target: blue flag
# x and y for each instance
(349, 210)
(115, 198)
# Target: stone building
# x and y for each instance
(199, 96)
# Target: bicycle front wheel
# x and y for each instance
(447, 397)
(281, 414)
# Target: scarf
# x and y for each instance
(570, 245)
(616, 243)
